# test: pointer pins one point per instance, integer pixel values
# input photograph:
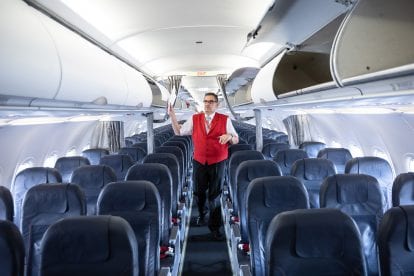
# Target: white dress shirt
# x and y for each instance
(187, 127)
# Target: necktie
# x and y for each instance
(208, 123)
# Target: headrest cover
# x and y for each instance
(285, 195)
(353, 189)
(48, 198)
(318, 239)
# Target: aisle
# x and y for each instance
(204, 255)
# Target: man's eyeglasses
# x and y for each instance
(209, 102)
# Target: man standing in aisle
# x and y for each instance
(211, 132)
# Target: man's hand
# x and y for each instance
(171, 111)
(225, 138)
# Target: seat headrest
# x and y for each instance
(136, 196)
(71, 162)
(371, 165)
(93, 176)
(336, 155)
(283, 191)
(158, 174)
(240, 156)
(48, 198)
(252, 169)
(37, 175)
(162, 157)
(313, 168)
(121, 161)
(289, 156)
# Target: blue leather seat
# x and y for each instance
(313, 242)
(286, 158)
(94, 155)
(312, 148)
(89, 246)
(139, 203)
(269, 150)
(120, 163)
(186, 154)
(312, 172)
(338, 156)
(66, 165)
(43, 205)
(246, 172)
(160, 176)
(395, 241)
(11, 250)
(141, 145)
(265, 198)
(137, 154)
(28, 178)
(179, 154)
(171, 162)
(235, 160)
(403, 189)
(360, 197)
(6, 204)
(92, 179)
(378, 168)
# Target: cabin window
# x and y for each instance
(50, 161)
(410, 162)
(71, 152)
(356, 151)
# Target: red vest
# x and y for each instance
(207, 148)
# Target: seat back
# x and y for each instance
(403, 189)
(171, 162)
(67, 164)
(360, 197)
(43, 205)
(120, 163)
(11, 250)
(378, 168)
(6, 204)
(269, 150)
(246, 172)
(338, 156)
(142, 145)
(395, 241)
(238, 147)
(313, 242)
(139, 203)
(234, 161)
(94, 245)
(179, 154)
(312, 148)
(160, 176)
(28, 178)
(137, 154)
(92, 179)
(286, 158)
(265, 198)
(312, 172)
(94, 155)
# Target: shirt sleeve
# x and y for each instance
(230, 128)
(187, 127)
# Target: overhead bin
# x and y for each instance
(42, 59)
(377, 35)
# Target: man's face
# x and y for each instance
(210, 104)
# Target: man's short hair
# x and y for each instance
(211, 94)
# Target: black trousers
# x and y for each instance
(209, 180)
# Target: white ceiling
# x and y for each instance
(159, 36)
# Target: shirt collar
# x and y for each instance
(211, 116)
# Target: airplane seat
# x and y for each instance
(338, 156)
(395, 241)
(67, 164)
(182, 146)
(238, 147)
(286, 158)
(12, 251)
(141, 145)
(360, 197)
(89, 245)
(269, 150)
(246, 172)
(312, 172)
(160, 176)
(94, 155)
(137, 154)
(312, 148)
(235, 160)
(313, 242)
(6, 204)
(43, 205)
(26, 179)
(120, 163)
(139, 203)
(378, 168)
(403, 189)
(265, 198)
(92, 179)
(178, 153)
(171, 162)
(283, 138)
